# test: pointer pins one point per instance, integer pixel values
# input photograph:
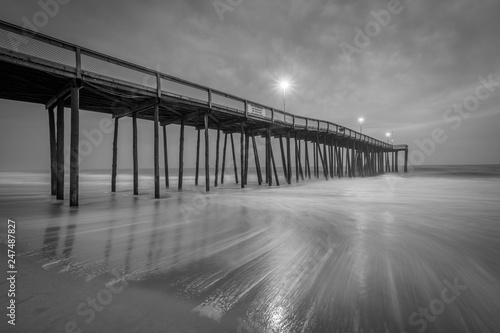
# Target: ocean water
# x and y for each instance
(416, 252)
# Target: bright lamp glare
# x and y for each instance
(388, 134)
(284, 85)
(361, 120)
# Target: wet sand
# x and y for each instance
(382, 254)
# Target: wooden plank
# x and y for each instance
(75, 142)
(60, 150)
(139, 107)
(63, 94)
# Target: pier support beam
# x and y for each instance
(274, 166)
(257, 161)
(197, 165)
(307, 166)
(318, 146)
(288, 159)
(234, 160)
(217, 158)
(396, 162)
(157, 150)
(165, 155)
(247, 146)
(406, 160)
(242, 155)
(75, 142)
(269, 157)
(60, 150)
(207, 156)
(134, 154)
(325, 156)
(283, 159)
(296, 158)
(223, 159)
(181, 156)
(53, 152)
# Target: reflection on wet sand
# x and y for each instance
(347, 256)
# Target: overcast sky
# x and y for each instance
(404, 66)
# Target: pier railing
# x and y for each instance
(23, 46)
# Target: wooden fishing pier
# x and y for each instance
(40, 69)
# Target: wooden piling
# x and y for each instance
(269, 152)
(134, 154)
(242, 155)
(74, 169)
(217, 158)
(115, 157)
(181, 157)
(53, 152)
(60, 150)
(197, 164)
(353, 159)
(283, 159)
(234, 160)
(406, 160)
(396, 162)
(157, 150)
(288, 159)
(296, 158)
(325, 156)
(207, 155)
(165, 156)
(223, 160)
(257, 161)
(274, 166)
(307, 166)
(325, 171)
(247, 146)
(330, 158)
(393, 162)
(301, 171)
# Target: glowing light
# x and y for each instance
(361, 120)
(284, 85)
(388, 134)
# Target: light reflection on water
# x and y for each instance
(348, 256)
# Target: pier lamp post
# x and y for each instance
(388, 135)
(361, 125)
(284, 85)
